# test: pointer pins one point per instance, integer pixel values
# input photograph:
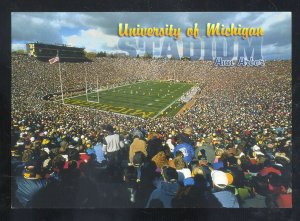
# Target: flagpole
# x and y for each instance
(61, 85)
(86, 90)
(97, 89)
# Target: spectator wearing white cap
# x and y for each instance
(225, 197)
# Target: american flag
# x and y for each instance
(54, 60)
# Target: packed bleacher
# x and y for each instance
(231, 149)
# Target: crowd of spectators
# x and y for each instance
(231, 149)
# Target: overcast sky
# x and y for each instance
(98, 31)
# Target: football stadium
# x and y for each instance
(66, 112)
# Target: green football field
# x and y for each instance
(143, 99)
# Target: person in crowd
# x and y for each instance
(99, 151)
(195, 197)
(29, 184)
(58, 164)
(218, 163)
(146, 177)
(130, 178)
(225, 197)
(168, 188)
(161, 159)
(112, 145)
(186, 149)
(183, 171)
(138, 144)
(258, 196)
(186, 134)
(154, 146)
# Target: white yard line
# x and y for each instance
(169, 105)
(165, 108)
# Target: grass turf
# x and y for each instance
(142, 99)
